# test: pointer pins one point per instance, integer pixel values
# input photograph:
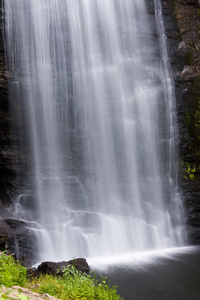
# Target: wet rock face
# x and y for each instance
(188, 21)
(13, 162)
(7, 175)
(17, 239)
(7, 155)
(183, 17)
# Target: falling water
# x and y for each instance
(94, 81)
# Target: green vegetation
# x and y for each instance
(11, 271)
(72, 284)
(190, 171)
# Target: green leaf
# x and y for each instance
(22, 297)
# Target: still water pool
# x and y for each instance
(164, 275)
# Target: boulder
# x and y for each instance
(53, 268)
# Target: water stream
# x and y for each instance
(93, 79)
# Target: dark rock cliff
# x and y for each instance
(14, 162)
(182, 21)
(8, 175)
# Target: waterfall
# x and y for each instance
(92, 79)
